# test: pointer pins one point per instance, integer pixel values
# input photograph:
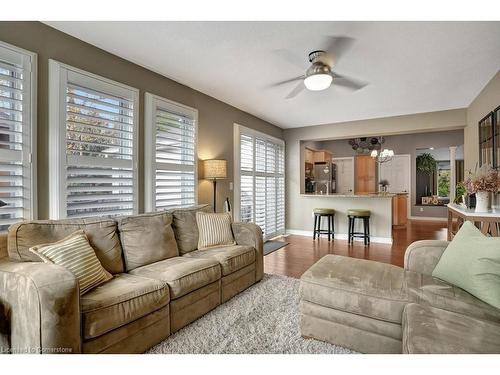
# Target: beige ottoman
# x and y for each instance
(355, 303)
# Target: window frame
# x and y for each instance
(151, 103)
(31, 211)
(58, 159)
(238, 131)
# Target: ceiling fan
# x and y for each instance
(320, 76)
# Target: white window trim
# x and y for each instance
(32, 137)
(151, 102)
(57, 135)
(238, 130)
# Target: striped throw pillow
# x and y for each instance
(75, 254)
(214, 230)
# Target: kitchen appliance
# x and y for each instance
(325, 177)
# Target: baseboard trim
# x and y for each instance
(340, 236)
(428, 218)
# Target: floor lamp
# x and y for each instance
(215, 169)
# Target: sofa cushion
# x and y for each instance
(101, 233)
(437, 293)
(430, 330)
(185, 228)
(472, 262)
(119, 302)
(182, 274)
(146, 239)
(231, 258)
(372, 289)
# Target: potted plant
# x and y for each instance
(426, 164)
(460, 193)
(383, 185)
(482, 183)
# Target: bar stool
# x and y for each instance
(329, 213)
(354, 214)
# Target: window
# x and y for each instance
(93, 144)
(171, 165)
(260, 180)
(17, 134)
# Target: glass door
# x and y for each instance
(496, 137)
(260, 181)
(486, 145)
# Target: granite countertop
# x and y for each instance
(335, 195)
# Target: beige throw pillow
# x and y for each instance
(75, 254)
(214, 230)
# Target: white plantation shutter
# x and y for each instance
(261, 182)
(97, 168)
(17, 129)
(170, 149)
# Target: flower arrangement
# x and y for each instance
(483, 179)
(383, 183)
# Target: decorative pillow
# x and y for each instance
(75, 253)
(472, 262)
(214, 230)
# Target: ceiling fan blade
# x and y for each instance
(299, 78)
(296, 91)
(337, 46)
(292, 58)
(347, 82)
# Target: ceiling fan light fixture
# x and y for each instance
(318, 82)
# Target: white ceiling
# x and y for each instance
(411, 67)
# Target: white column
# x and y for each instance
(453, 172)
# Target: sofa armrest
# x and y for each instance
(250, 234)
(423, 256)
(39, 309)
(3, 246)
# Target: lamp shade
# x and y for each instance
(215, 169)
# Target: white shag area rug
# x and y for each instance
(263, 319)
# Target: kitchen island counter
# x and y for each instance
(340, 195)
(380, 206)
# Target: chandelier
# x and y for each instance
(384, 156)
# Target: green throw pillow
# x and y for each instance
(472, 262)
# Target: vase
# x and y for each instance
(495, 205)
(482, 201)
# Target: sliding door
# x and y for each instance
(260, 180)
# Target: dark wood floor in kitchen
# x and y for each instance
(302, 252)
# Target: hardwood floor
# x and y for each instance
(302, 252)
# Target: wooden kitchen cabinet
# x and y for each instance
(399, 209)
(365, 175)
(309, 156)
(322, 157)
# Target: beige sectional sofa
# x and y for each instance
(161, 282)
(373, 307)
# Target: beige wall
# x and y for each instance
(215, 139)
(485, 102)
(417, 123)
